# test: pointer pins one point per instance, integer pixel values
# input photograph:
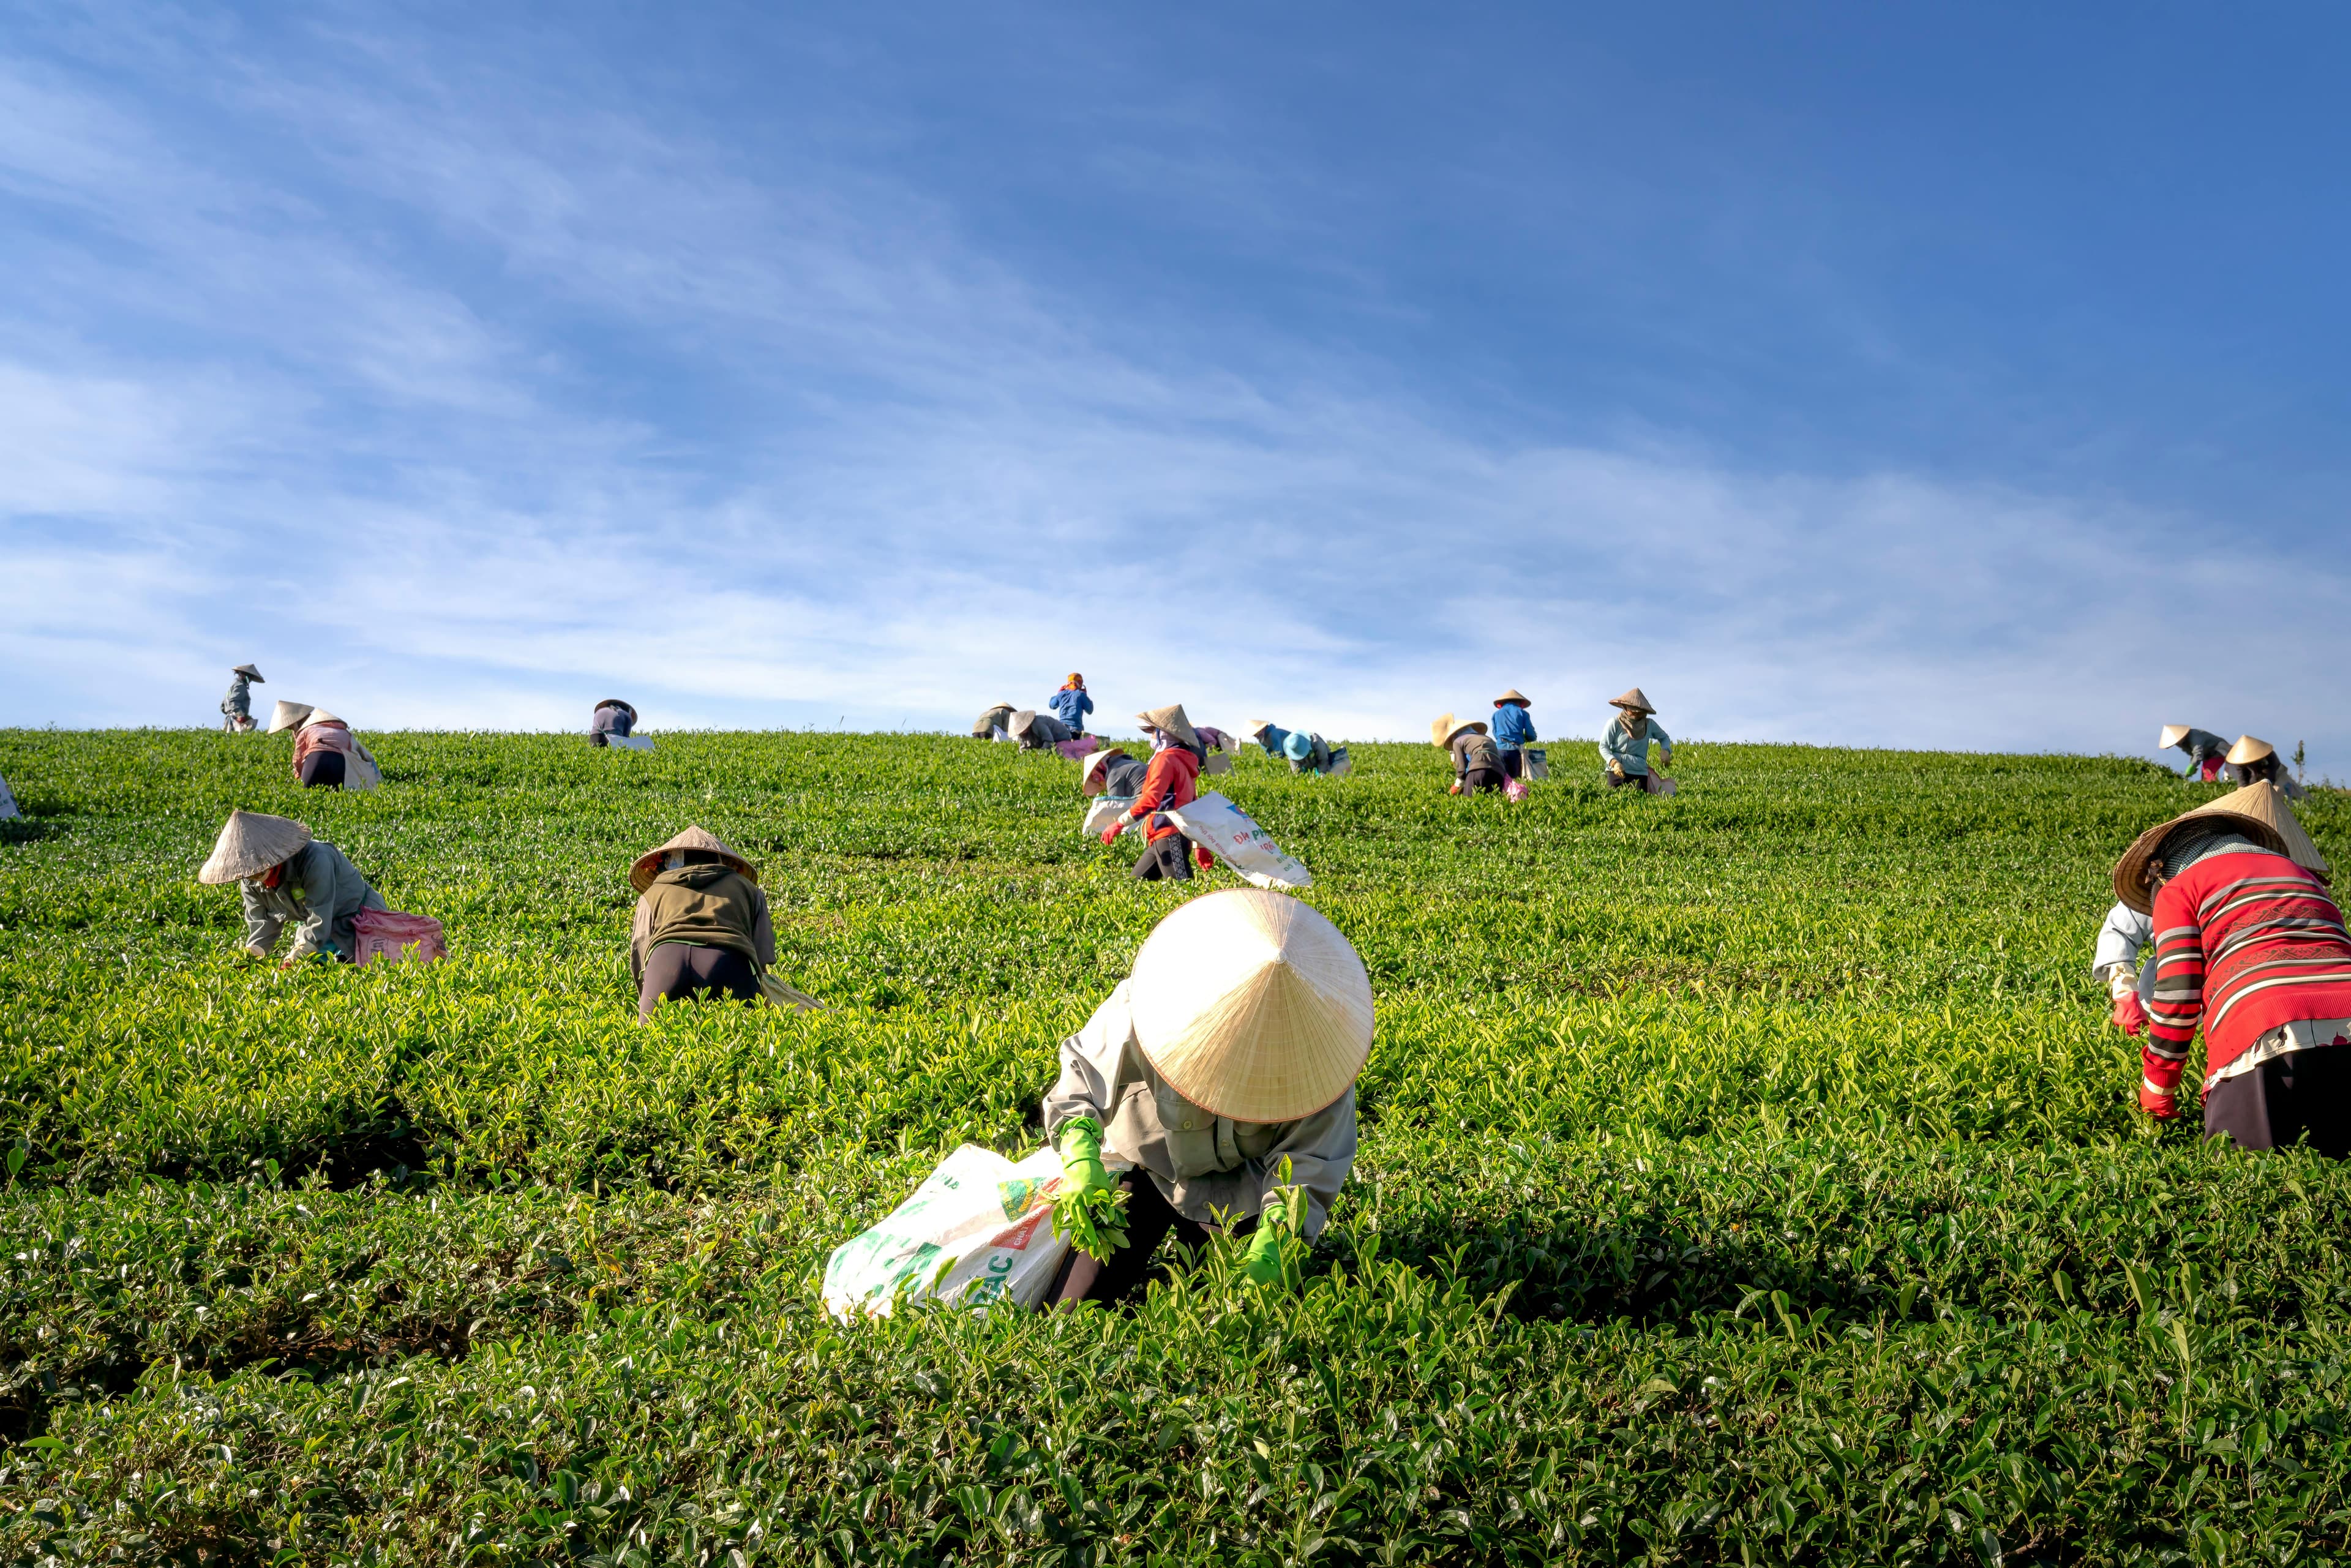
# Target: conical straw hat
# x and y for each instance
(2262, 815)
(249, 673)
(2249, 749)
(1257, 726)
(1171, 719)
(648, 864)
(1514, 696)
(2169, 736)
(1442, 731)
(250, 843)
(287, 715)
(1017, 724)
(1091, 779)
(321, 715)
(1635, 698)
(1252, 1006)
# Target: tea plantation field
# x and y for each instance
(1749, 1176)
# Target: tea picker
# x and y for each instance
(2255, 762)
(1072, 703)
(994, 724)
(1477, 760)
(1513, 731)
(1035, 731)
(1170, 780)
(1625, 748)
(1230, 1052)
(287, 877)
(2250, 947)
(2204, 748)
(327, 755)
(236, 708)
(702, 928)
(2115, 962)
(613, 724)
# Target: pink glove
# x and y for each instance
(1111, 833)
(2130, 1016)
(2162, 1106)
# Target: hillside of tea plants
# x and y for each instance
(1749, 1176)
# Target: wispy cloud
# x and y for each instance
(458, 395)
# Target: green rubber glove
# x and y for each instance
(1081, 1161)
(1265, 1263)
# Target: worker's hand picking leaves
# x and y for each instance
(1090, 1209)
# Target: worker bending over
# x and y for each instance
(286, 877)
(701, 927)
(2249, 946)
(236, 708)
(327, 755)
(2203, 748)
(1476, 761)
(1624, 749)
(1231, 1050)
(1170, 782)
(1513, 731)
(2256, 761)
(994, 724)
(612, 720)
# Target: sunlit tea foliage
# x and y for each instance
(1747, 1176)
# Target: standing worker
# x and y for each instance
(2204, 748)
(1476, 761)
(1231, 1052)
(701, 926)
(2256, 761)
(1513, 731)
(2250, 946)
(1624, 749)
(613, 719)
(236, 708)
(1170, 782)
(1072, 703)
(286, 877)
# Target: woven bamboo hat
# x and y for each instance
(1171, 719)
(1017, 724)
(648, 864)
(2261, 813)
(1257, 727)
(249, 673)
(287, 715)
(2169, 736)
(2249, 749)
(1634, 699)
(1442, 731)
(1252, 1006)
(250, 843)
(1514, 696)
(1091, 779)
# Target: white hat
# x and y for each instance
(1252, 1006)
(1441, 731)
(287, 715)
(1257, 726)
(1172, 720)
(2169, 736)
(1090, 780)
(250, 843)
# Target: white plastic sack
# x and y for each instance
(1538, 766)
(1223, 829)
(978, 1230)
(8, 809)
(1105, 811)
(359, 770)
(630, 742)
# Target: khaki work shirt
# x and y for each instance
(1203, 1164)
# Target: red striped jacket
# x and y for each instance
(2243, 942)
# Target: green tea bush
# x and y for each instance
(1746, 1177)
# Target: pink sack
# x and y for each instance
(389, 934)
(1084, 745)
(1515, 789)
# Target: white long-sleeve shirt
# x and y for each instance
(1205, 1164)
(2121, 939)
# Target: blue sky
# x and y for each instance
(1859, 374)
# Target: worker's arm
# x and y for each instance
(1321, 1151)
(640, 931)
(1665, 743)
(262, 923)
(330, 883)
(1613, 746)
(2178, 1007)
(1090, 1066)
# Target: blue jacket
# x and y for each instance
(1271, 738)
(1072, 704)
(1513, 727)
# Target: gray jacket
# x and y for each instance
(239, 701)
(322, 894)
(1203, 1164)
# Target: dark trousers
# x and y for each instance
(1514, 763)
(682, 971)
(1623, 781)
(322, 770)
(1165, 859)
(1149, 1218)
(1481, 781)
(2302, 1094)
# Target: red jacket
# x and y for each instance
(1172, 780)
(2243, 942)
